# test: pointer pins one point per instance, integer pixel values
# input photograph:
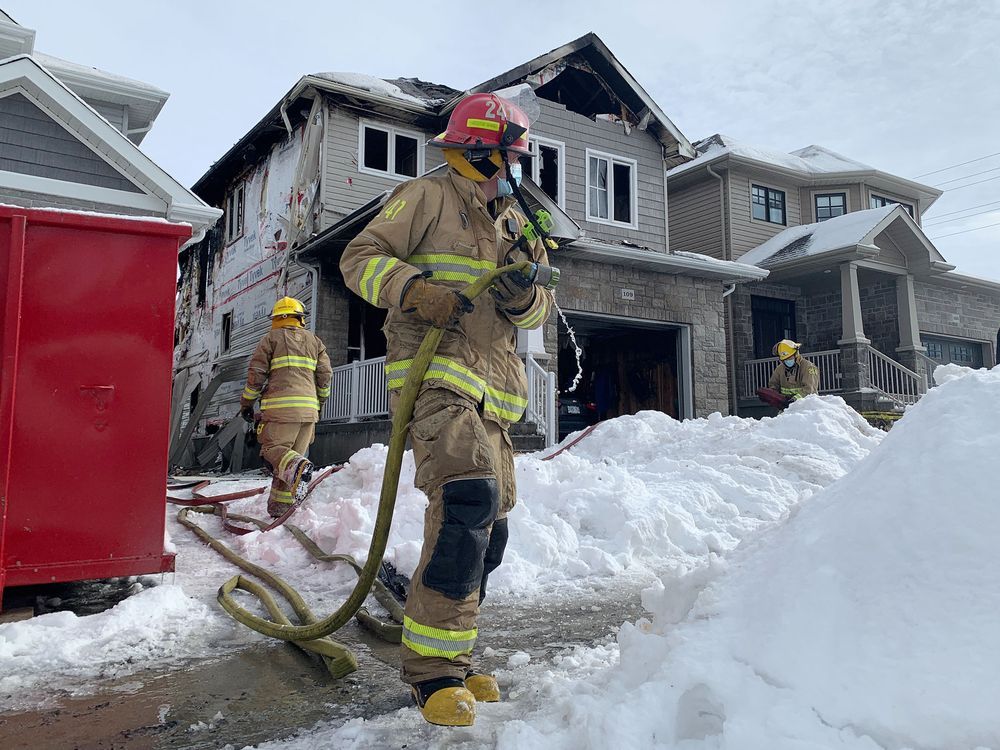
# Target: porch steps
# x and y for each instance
(525, 438)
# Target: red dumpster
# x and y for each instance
(86, 342)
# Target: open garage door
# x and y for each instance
(629, 365)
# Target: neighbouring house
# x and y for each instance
(306, 178)
(69, 137)
(851, 273)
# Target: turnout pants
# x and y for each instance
(282, 445)
(465, 466)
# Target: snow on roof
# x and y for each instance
(808, 160)
(382, 87)
(53, 62)
(814, 239)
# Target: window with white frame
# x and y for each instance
(612, 183)
(547, 167)
(767, 204)
(878, 201)
(389, 151)
(234, 213)
(829, 205)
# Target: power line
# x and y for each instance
(975, 229)
(945, 169)
(962, 210)
(961, 218)
(965, 177)
(978, 182)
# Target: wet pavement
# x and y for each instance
(272, 690)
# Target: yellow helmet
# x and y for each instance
(785, 349)
(288, 306)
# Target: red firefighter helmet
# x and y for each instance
(486, 121)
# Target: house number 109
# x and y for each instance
(628, 294)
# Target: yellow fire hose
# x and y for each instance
(312, 633)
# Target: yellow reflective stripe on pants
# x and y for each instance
(449, 267)
(428, 641)
(291, 361)
(284, 402)
(282, 496)
(441, 368)
(283, 463)
(505, 405)
(372, 277)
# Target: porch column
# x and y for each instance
(853, 343)
(909, 350)
(852, 327)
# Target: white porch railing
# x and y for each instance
(541, 399)
(756, 372)
(358, 390)
(891, 379)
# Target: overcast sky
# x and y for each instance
(908, 87)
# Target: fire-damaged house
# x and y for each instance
(648, 321)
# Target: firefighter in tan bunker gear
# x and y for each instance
(436, 235)
(795, 376)
(290, 372)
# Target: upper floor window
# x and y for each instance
(612, 183)
(877, 201)
(547, 167)
(768, 204)
(829, 205)
(234, 213)
(389, 151)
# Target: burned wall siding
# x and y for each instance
(225, 303)
(346, 186)
(580, 133)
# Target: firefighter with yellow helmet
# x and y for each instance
(435, 235)
(795, 376)
(290, 373)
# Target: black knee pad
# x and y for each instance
(494, 553)
(455, 568)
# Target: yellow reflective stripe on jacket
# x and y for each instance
(290, 402)
(796, 392)
(441, 368)
(450, 267)
(428, 641)
(323, 392)
(372, 276)
(292, 361)
(531, 318)
(504, 405)
(250, 394)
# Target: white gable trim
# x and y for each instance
(56, 98)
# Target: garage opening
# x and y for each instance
(629, 365)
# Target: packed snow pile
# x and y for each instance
(867, 621)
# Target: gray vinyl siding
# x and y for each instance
(346, 188)
(32, 143)
(113, 113)
(695, 214)
(747, 232)
(580, 133)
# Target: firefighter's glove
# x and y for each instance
(247, 413)
(434, 303)
(513, 292)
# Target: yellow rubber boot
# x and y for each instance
(445, 702)
(483, 686)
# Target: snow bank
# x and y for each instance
(869, 620)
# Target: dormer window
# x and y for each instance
(878, 201)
